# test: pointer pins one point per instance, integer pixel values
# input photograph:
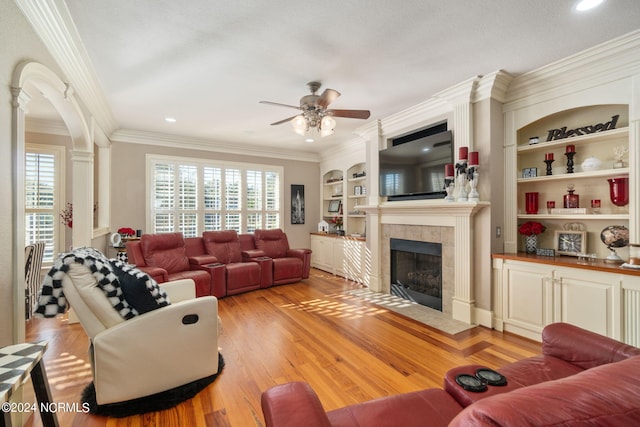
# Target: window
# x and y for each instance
(44, 167)
(192, 196)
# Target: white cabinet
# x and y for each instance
(342, 256)
(530, 295)
(321, 253)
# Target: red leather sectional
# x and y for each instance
(221, 262)
(581, 378)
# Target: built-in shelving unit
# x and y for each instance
(356, 195)
(348, 189)
(588, 184)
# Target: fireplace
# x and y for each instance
(416, 271)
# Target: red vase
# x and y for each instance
(619, 191)
(531, 203)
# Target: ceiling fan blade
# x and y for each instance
(350, 114)
(280, 105)
(284, 120)
(327, 97)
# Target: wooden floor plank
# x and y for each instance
(348, 349)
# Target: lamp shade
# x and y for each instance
(327, 125)
(299, 124)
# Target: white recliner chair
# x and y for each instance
(150, 353)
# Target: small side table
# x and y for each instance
(16, 362)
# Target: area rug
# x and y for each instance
(413, 310)
(155, 402)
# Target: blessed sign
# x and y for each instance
(564, 133)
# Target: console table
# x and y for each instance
(16, 362)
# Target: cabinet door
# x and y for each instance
(527, 299)
(321, 253)
(338, 257)
(588, 299)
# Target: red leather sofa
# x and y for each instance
(164, 257)
(229, 263)
(240, 276)
(581, 378)
(289, 265)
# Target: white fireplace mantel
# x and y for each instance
(438, 213)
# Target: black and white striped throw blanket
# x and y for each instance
(112, 276)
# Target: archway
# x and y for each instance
(61, 97)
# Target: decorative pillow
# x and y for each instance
(139, 289)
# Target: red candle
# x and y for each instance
(473, 158)
(448, 170)
(463, 152)
(548, 156)
(571, 148)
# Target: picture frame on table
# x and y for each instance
(570, 243)
(334, 206)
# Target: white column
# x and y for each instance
(463, 302)
(18, 104)
(82, 196)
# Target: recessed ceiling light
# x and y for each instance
(309, 140)
(587, 4)
(425, 149)
(170, 119)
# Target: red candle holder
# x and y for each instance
(551, 204)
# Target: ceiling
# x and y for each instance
(208, 63)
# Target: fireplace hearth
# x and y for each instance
(416, 271)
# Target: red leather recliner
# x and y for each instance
(164, 257)
(289, 265)
(240, 276)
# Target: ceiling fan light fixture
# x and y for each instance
(299, 124)
(327, 126)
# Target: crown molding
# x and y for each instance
(173, 141)
(461, 93)
(52, 22)
(493, 86)
(613, 60)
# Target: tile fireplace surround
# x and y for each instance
(450, 224)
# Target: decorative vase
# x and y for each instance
(531, 203)
(619, 191)
(571, 200)
(531, 243)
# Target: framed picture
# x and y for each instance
(357, 190)
(334, 206)
(297, 204)
(529, 172)
(570, 242)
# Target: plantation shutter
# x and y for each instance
(254, 200)
(40, 202)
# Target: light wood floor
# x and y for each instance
(347, 349)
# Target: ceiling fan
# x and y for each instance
(315, 113)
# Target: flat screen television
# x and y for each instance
(415, 169)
